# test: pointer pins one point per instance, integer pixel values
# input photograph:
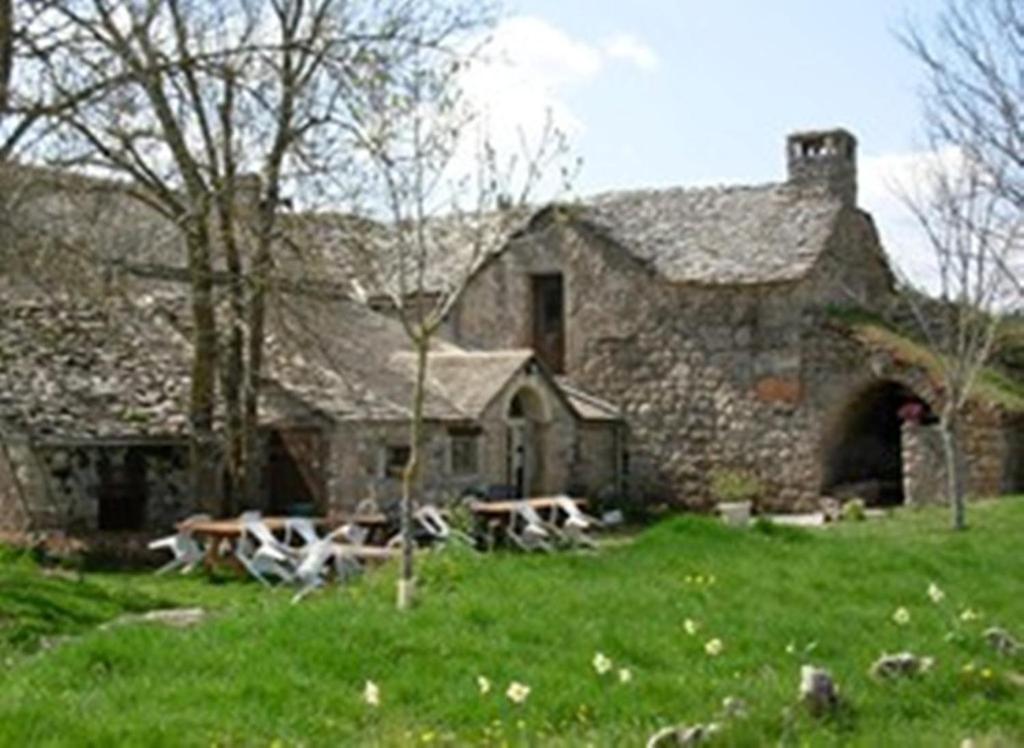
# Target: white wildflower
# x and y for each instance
(901, 617)
(625, 675)
(714, 647)
(517, 692)
(935, 593)
(483, 684)
(371, 693)
(969, 614)
(690, 626)
(601, 663)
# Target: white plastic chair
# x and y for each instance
(576, 523)
(268, 556)
(312, 568)
(434, 523)
(534, 534)
(188, 554)
(302, 528)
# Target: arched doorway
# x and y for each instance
(526, 418)
(863, 449)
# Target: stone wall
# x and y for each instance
(705, 377)
(356, 468)
(598, 468)
(60, 486)
(852, 271)
(357, 452)
(924, 473)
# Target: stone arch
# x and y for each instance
(527, 415)
(863, 445)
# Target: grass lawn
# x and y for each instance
(263, 672)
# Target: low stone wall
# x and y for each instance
(60, 486)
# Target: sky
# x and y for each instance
(657, 93)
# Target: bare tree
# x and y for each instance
(970, 206)
(188, 100)
(973, 56)
(449, 201)
(6, 49)
(973, 234)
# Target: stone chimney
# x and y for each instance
(824, 158)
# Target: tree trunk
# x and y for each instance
(955, 493)
(411, 473)
(203, 448)
(233, 365)
(6, 49)
(257, 314)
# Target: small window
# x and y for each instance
(465, 453)
(395, 460)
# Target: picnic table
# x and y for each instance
(223, 534)
(495, 516)
(509, 505)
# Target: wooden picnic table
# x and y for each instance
(366, 552)
(504, 507)
(494, 517)
(220, 531)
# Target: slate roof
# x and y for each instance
(719, 235)
(589, 407)
(336, 355)
(364, 256)
(468, 379)
(70, 370)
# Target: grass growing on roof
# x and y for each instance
(992, 386)
(262, 671)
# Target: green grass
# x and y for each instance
(263, 672)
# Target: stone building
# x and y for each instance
(712, 318)
(93, 416)
(633, 346)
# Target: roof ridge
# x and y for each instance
(685, 190)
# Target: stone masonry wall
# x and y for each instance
(357, 453)
(62, 485)
(924, 473)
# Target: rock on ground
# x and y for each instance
(818, 691)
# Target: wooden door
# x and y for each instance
(295, 469)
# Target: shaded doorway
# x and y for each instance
(123, 491)
(295, 471)
(863, 455)
(525, 419)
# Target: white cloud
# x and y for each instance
(631, 49)
(881, 182)
(527, 71)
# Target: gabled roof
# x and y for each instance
(468, 379)
(720, 235)
(589, 407)
(336, 355)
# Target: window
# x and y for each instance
(465, 453)
(395, 460)
(548, 320)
